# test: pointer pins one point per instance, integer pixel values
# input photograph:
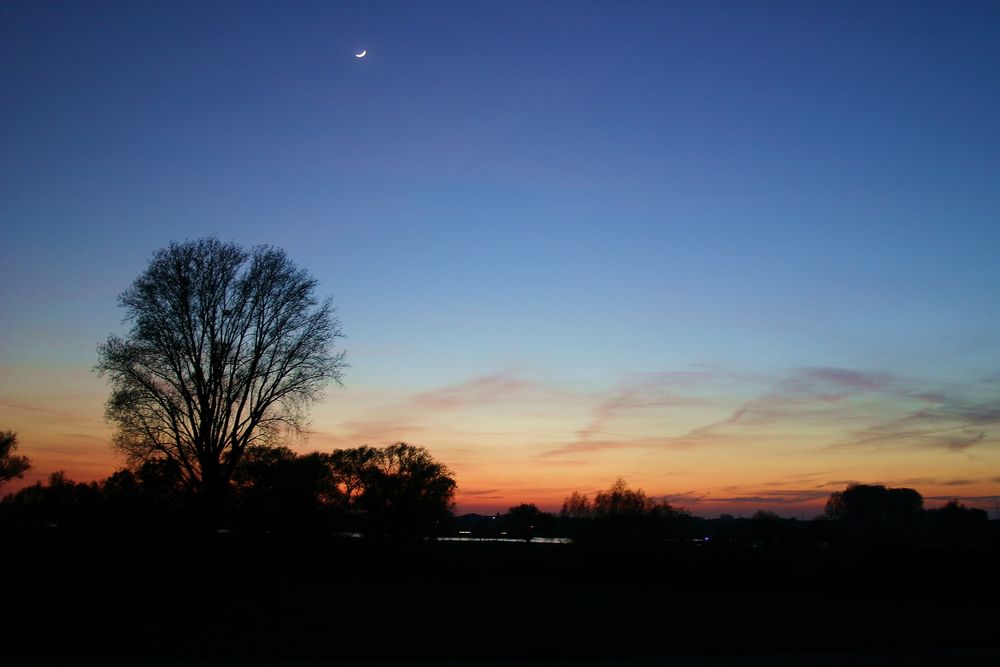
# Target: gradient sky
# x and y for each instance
(737, 253)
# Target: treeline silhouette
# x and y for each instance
(393, 491)
(400, 491)
(124, 569)
(861, 514)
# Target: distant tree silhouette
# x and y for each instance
(576, 506)
(873, 504)
(61, 502)
(619, 501)
(227, 347)
(620, 513)
(525, 520)
(405, 492)
(956, 524)
(876, 512)
(11, 464)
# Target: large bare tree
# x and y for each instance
(227, 348)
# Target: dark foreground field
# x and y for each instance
(233, 597)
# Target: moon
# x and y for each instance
(362, 54)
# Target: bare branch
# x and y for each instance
(226, 346)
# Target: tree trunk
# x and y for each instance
(211, 497)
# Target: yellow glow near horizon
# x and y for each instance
(511, 441)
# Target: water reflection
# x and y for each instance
(538, 540)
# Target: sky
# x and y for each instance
(738, 254)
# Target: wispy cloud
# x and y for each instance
(984, 501)
(46, 411)
(809, 394)
(483, 389)
(798, 479)
(945, 481)
(353, 433)
(767, 497)
(950, 422)
(846, 407)
(685, 498)
(773, 499)
(806, 395)
(643, 391)
(486, 493)
(438, 411)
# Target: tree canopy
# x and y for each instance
(621, 513)
(227, 348)
(404, 490)
(874, 504)
(11, 465)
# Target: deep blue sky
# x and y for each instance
(572, 191)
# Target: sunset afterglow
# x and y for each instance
(738, 258)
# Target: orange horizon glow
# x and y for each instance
(510, 439)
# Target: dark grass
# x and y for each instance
(268, 598)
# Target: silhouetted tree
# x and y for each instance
(350, 469)
(620, 513)
(278, 489)
(525, 520)
(162, 479)
(126, 502)
(873, 504)
(60, 502)
(150, 496)
(956, 524)
(903, 505)
(227, 346)
(576, 506)
(11, 464)
(619, 501)
(875, 512)
(405, 491)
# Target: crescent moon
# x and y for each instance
(361, 55)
